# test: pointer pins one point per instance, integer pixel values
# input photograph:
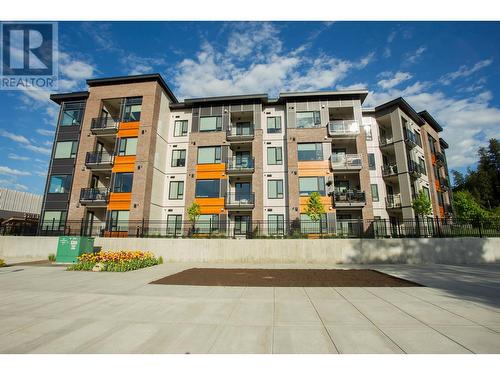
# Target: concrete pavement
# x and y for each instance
(48, 310)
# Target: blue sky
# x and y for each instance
(449, 68)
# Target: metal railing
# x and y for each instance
(443, 183)
(385, 141)
(228, 228)
(346, 161)
(237, 133)
(389, 170)
(94, 195)
(239, 200)
(99, 159)
(440, 159)
(240, 165)
(414, 169)
(343, 128)
(410, 138)
(349, 197)
(101, 124)
(393, 201)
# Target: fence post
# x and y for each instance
(438, 227)
(480, 229)
(142, 227)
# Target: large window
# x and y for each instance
(274, 156)
(66, 150)
(176, 190)
(310, 151)
(53, 219)
(174, 225)
(207, 188)
(275, 189)
(308, 185)
(310, 119)
(374, 188)
(209, 155)
(427, 193)
(432, 144)
(180, 128)
(123, 182)
(132, 110)
(276, 224)
(274, 125)
(313, 227)
(210, 124)
(178, 158)
(207, 224)
(118, 220)
(421, 162)
(371, 162)
(72, 114)
(127, 146)
(60, 184)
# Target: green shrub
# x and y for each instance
(52, 257)
(2, 262)
(160, 260)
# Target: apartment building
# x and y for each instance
(127, 151)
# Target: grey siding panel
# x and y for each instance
(67, 136)
(225, 119)
(217, 111)
(194, 123)
(224, 153)
(205, 111)
(236, 108)
(330, 217)
(301, 106)
(223, 187)
(55, 205)
(223, 222)
(256, 116)
(247, 107)
(290, 115)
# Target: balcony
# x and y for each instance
(343, 128)
(238, 166)
(349, 199)
(240, 134)
(94, 197)
(343, 162)
(239, 201)
(104, 126)
(414, 169)
(393, 201)
(99, 161)
(443, 184)
(410, 139)
(389, 170)
(440, 159)
(383, 141)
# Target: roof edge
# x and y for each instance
(63, 97)
(403, 104)
(431, 121)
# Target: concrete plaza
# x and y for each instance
(45, 309)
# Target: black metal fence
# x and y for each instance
(243, 228)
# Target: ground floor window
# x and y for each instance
(276, 224)
(207, 224)
(174, 225)
(53, 220)
(119, 220)
(308, 226)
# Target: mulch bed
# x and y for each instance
(283, 278)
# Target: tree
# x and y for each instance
(422, 204)
(194, 212)
(467, 208)
(315, 207)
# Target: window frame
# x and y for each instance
(279, 185)
(196, 191)
(319, 183)
(67, 181)
(123, 146)
(217, 154)
(377, 195)
(181, 151)
(218, 124)
(184, 132)
(277, 162)
(316, 117)
(128, 104)
(318, 152)
(179, 193)
(371, 158)
(275, 129)
(73, 150)
(279, 221)
(61, 222)
(118, 181)
(77, 107)
(177, 228)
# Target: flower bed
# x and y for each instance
(115, 261)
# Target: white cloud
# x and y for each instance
(395, 80)
(25, 143)
(45, 132)
(464, 71)
(354, 86)
(134, 64)
(74, 69)
(413, 57)
(17, 157)
(13, 172)
(10, 183)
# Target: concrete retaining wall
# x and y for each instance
(330, 251)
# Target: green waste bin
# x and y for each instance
(70, 247)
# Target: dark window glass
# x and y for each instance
(174, 224)
(127, 146)
(274, 125)
(207, 188)
(60, 184)
(178, 158)
(374, 192)
(132, 109)
(310, 151)
(123, 182)
(308, 185)
(371, 161)
(72, 114)
(180, 128)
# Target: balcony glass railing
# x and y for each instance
(414, 168)
(343, 127)
(393, 201)
(239, 200)
(240, 164)
(411, 138)
(389, 169)
(240, 132)
(94, 195)
(350, 196)
(103, 123)
(346, 161)
(99, 158)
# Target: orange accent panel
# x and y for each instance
(441, 211)
(115, 234)
(436, 185)
(211, 171)
(124, 164)
(119, 201)
(327, 203)
(433, 159)
(128, 129)
(314, 168)
(210, 205)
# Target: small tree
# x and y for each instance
(315, 207)
(467, 208)
(194, 212)
(422, 204)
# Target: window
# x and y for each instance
(310, 151)
(368, 132)
(53, 219)
(276, 225)
(274, 156)
(66, 150)
(371, 162)
(309, 226)
(275, 189)
(174, 225)
(308, 119)
(127, 146)
(210, 124)
(421, 162)
(178, 158)
(118, 220)
(176, 190)
(60, 184)
(374, 192)
(132, 110)
(72, 114)
(274, 125)
(427, 193)
(180, 128)
(123, 182)
(418, 138)
(308, 185)
(207, 188)
(432, 144)
(209, 155)
(207, 224)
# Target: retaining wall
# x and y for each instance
(327, 251)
